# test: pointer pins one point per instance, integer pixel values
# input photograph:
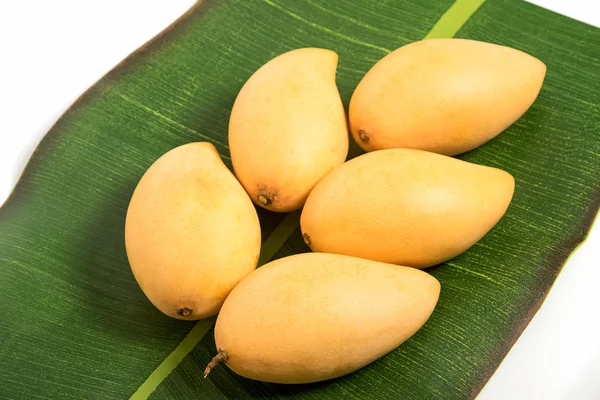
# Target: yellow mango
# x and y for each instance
(288, 128)
(443, 95)
(316, 316)
(191, 232)
(405, 206)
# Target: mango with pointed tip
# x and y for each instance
(315, 316)
(288, 128)
(405, 206)
(443, 95)
(191, 232)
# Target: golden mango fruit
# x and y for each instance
(405, 206)
(191, 232)
(443, 95)
(316, 316)
(288, 128)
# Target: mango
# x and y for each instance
(405, 206)
(191, 232)
(315, 316)
(446, 96)
(288, 128)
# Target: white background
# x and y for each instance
(52, 51)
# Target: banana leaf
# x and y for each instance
(73, 321)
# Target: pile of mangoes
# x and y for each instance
(193, 236)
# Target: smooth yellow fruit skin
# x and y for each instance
(405, 206)
(443, 95)
(315, 316)
(191, 232)
(288, 128)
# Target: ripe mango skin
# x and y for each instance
(316, 316)
(446, 96)
(288, 128)
(405, 206)
(191, 232)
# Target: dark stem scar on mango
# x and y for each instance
(264, 200)
(184, 312)
(266, 196)
(364, 135)
(307, 239)
(219, 358)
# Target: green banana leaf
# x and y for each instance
(73, 321)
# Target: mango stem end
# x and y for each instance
(219, 358)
